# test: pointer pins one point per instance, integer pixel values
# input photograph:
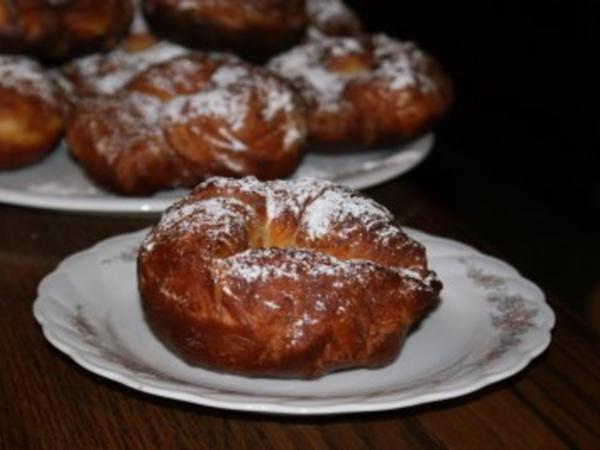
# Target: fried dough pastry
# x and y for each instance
(186, 119)
(255, 29)
(368, 91)
(32, 111)
(58, 30)
(284, 279)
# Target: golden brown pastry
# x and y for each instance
(181, 121)
(365, 92)
(32, 111)
(332, 17)
(61, 29)
(253, 28)
(284, 278)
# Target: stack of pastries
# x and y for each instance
(155, 94)
(244, 275)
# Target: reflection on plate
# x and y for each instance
(490, 323)
(59, 183)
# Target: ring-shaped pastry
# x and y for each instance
(283, 278)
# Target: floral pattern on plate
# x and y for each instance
(490, 323)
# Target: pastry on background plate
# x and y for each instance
(61, 30)
(364, 92)
(179, 122)
(32, 112)
(252, 28)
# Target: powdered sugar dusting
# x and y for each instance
(276, 96)
(401, 64)
(281, 196)
(136, 117)
(28, 78)
(278, 100)
(226, 105)
(217, 218)
(107, 73)
(321, 208)
(228, 75)
(304, 66)
(228, 97)
(263, 264)
(344, 212)
(398, 64)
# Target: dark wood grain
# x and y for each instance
(47, 401)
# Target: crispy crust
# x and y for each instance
(230, 25)
(188, 118)
(58, 31)
(242, 277)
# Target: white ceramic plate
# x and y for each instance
(59, 183)
(490, 323)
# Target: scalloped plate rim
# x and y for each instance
(126, 377)
(415, 152)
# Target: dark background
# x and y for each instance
(517, 159)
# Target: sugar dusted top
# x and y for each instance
(107, 73)
(399, 64)
(26, 77)
(319, 210)
(184, 90)
(228, 96)
(305, 66)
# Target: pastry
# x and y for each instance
(253, 28)
(62, 29)
(283, 278)
(364, 92)
(191, 117)
(32, 112)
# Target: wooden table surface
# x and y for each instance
(48, 401)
